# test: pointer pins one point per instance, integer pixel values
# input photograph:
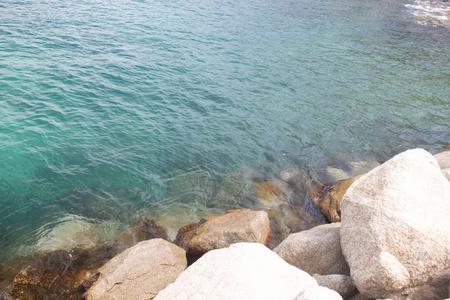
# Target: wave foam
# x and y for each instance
(430, 12)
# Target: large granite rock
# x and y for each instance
(139, 272)
(395, 232)
(328, 197)
(241, 271)
(316, 250)
(216, 232)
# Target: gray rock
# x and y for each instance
(319, 293)
(395, 232)
(241, 271)
(436, 289)
(443, 159)
(139, 272)
(316, 250)
(342, 284)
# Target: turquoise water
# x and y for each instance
(109, 107)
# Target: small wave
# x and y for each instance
(430, 12)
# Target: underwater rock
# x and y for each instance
(75, 232)
(286, 219)
(271, 193)
(341, 170)
(53, 275)
(145, 229)
(214, 232)
(297, 178)
(328, 197)
(297, 218)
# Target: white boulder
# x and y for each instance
(241, 271)
(395, 232)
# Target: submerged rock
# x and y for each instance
(216, 232)
(287, 219)
(75, 232)
(316, 251)
(241, 271)
(395, 232)
(145, 229)
(328, 197)
(53, 275)
(341, 170)
(271, 193)
(139, 272)
(297, 178)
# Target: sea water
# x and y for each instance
(112, 108)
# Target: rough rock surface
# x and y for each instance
(139, 272)
(316, 250)
(328, 197)
(216, 232)
(241, 271)
(342, 284)
(395, 231)
(436, 289)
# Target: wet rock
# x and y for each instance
(336, 174)
(271, 193)
(316, 251)
(287, 219)
(216, 232)
(342, 284)
(328, 197)
(241, 271)
(53, 275)
(145, 229)
(297, 218)
(395, 232)
(297, 178)
(139, 272)
(278, 230)
(341, 170)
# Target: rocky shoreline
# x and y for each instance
(389, 238)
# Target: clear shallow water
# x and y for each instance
(108, 107)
